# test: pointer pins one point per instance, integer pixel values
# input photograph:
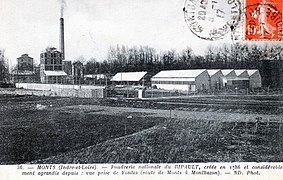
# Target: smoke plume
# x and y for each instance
(63, 5)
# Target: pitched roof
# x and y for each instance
(129, 76)
(225, 72)
(239, 71)
(211, 72)
(191, 73)
(55, 73)
(251, 71)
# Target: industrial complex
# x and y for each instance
(55, 68)
(126, 90)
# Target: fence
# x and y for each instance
(248, 91)
(81, 91)
(155, 93)
(90, 91)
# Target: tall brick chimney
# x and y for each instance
(61, 38)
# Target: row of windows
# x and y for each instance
(53, 61)
(53, 68)
(173, 82)
(51, 55)
(25, 61)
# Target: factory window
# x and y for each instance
(48, 68)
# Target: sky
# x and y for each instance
(92, 26)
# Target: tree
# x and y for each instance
(4, 69)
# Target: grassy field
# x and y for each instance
(183, 141)
(57, 134)
(28, 134)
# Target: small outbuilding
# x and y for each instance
(100, 79)
(24, 76)
(186, 80)
(51, 77)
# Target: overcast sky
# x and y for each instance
(91, 26)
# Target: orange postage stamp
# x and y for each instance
(264, 20)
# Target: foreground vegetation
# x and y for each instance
(28, 133)
(53, 135)
(180, 141)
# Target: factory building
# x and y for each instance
(24, 72)
(234, 79)
(78, 72)
(254, 78)
(202, 80)
(130, 78)
(216, 79)
(51, 68)
(25, 63)
(241, 81)
(241, 78)
(93, 79)
(67, 67)
(187, 80)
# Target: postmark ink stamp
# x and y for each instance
(264, 20)
(212, 19)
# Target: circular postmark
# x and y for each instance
(212, 19)
(263, 21)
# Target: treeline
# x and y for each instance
(144, 58)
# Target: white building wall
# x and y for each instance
(53, 87)
(201, 82)
(175, 87)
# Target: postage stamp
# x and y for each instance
(264, 20)
(212, 19)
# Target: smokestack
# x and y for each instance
(61, 38)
